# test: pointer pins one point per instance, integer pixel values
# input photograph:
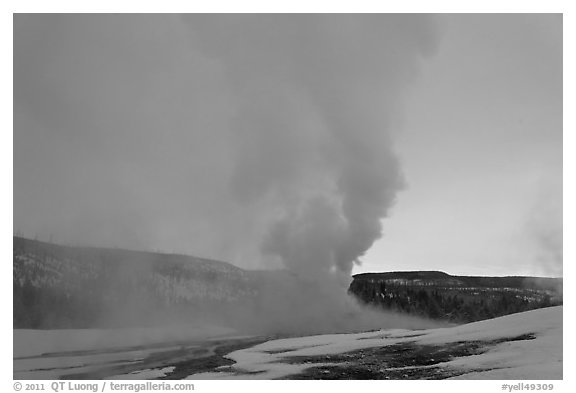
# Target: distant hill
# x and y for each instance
(445, 279)
(58, 287)
(439, 295)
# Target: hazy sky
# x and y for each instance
(275, 140)
(481, 148)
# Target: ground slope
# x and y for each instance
(520, 346)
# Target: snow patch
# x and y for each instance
(145, 374)
(538, 358)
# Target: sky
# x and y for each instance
(295, 141)
(481, 147)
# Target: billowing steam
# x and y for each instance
(262, 140)
(316, 98)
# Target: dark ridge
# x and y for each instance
(459, 299)
(21, 244)
(551, 283)
(57, 286)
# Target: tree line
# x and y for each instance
(449, 303)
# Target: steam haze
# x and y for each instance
(254, 139)
(295, 141)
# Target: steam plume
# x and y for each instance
(317, 95)
(243, 138)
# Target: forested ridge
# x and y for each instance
(455, 298)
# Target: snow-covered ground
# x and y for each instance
(537, 358)
(519, 346)
(28, 342)
(49, 354)
(145, 374)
